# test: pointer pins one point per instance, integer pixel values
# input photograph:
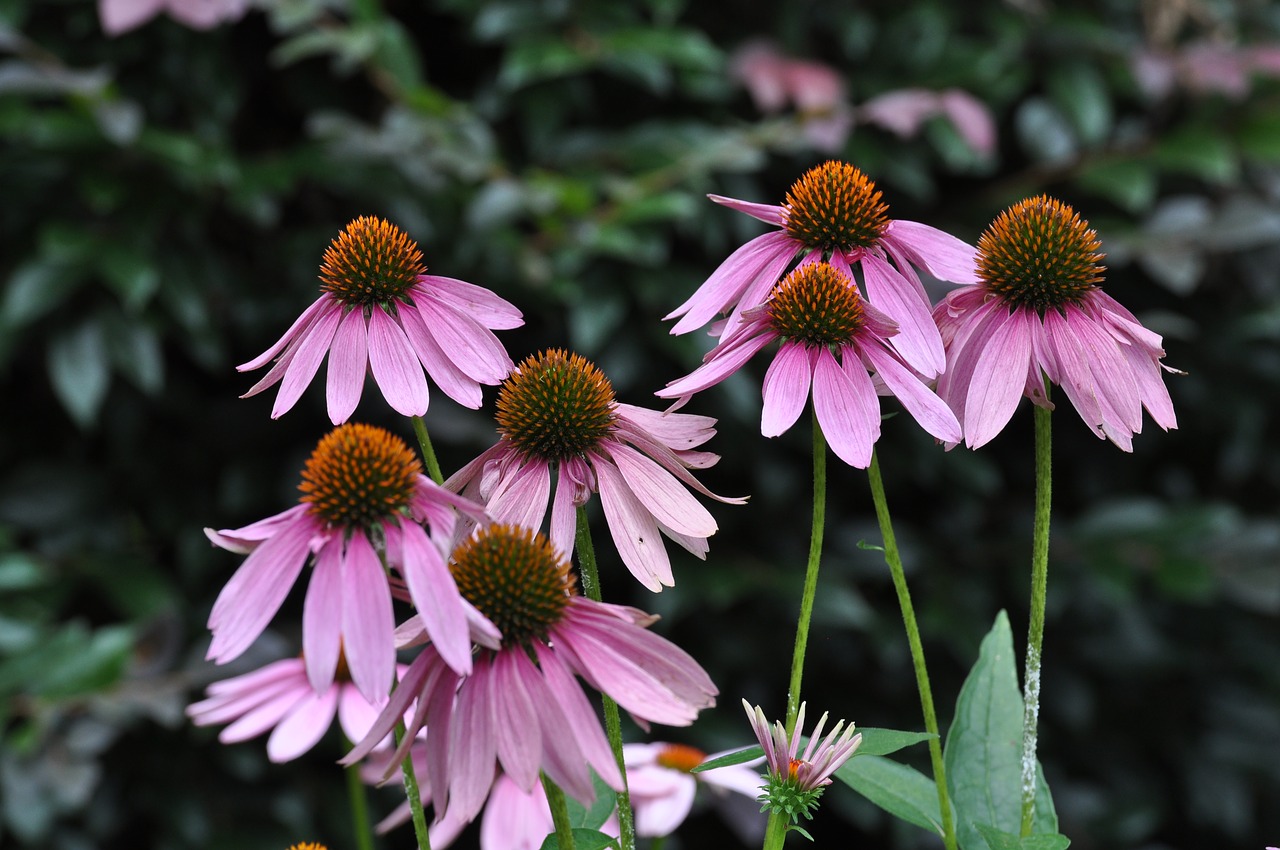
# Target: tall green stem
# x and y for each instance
(1035, 630)
(428, 453)
(776, 829)
(612, 722)
(559, 813)
(811, 572)
(894, 560)
(359, 808)
(411, 791)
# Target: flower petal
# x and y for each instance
(368, 625)
(786, 388)
(660, 493)
(926, 408)
(303, 727)
(348, 361)
(322, 616)
(435, 595)
(634, 531)
(917, 339)
(764, 256)
(774, 214)
(518, 736)
(472, 347)
(847, 409)
(477, 302)
(395, 366)
(999, 377)
(455, 383)
(296, 330)
(305, 361)
(937, 252)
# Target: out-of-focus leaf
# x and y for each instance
(397, 55)
(1080, 92)
(19, 77)
(131, 274)
(349, 47)
(583, 839)
(79, 372)
(1259, 135)
(35, 288)
(1201, 151)
(71, 661)
(135, 352)
(1044, 131)
(1128, 183)
(19, 571)
(900, 790)
(541, 59)
(120, 120)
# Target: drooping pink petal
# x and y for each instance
(1112, 377)
(265, 716)
(972, 119)
(847, 409)
(937, 252)
(412, 681)
(515, 819)
(355, 714)
(436, 596)
(786, 388)
(522, 496)
(999, 376)
(297, 330)
(472, 743)
(564, 514)
(659, 492)
(348, 361)
(721, 291)
(582, 724)
(634, 531)
(322, 617)
(455, 383)
(724, 361)
(306, 361)
(303, 727)
(246, 539)
(471, 347)
(1074, 375)
(481, 304)
(395, 366)
(774, 214)
(971, 330)
(368, 625)
(519, 738)
(663, 799)
(257, 590)
(918, 340)
(926, 408)
(678, 431)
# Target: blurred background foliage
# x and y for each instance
(167, 196)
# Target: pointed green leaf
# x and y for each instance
(900, 790)
(728, 759)
(583, 839)
(984, 747)
(594, 816)
(1000, 840)
(881, 742)
(79, 373)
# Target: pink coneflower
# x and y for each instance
(662, 786)
(817, 313)
(558, 409)
(1037, 313)
(280, 697)
(381, 312)
(521, 707)
(796, 781)
(835, 212)
(119, 16)
(362, 491)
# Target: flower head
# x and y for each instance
(1038, 312)
(521, 708)
(380, 311)
(662, 786)
(818, 315)
(279, 697)
(558, 411)
(834, 212)
(796, 780)
(119, 16)
(364, 498)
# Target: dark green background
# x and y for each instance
(166, 197)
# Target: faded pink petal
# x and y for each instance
(303, 727)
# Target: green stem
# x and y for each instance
(1035, 630)
(359, 807)
(811, 572)
(428, 453)
(776, 829)
(411, 791)
(894, 560)
(612, 722)
(559, 813)
(775, 832)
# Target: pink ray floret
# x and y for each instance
(888, 264)
(662, 789)
(834, 369)
(279, 697)
(821, 757)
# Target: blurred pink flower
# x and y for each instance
(279, 697)
(1204, 68)
(1036, 314)
(904, 111)
(362, 491)
(662, 787)
(817, 313)
(118, 16)
(835, 212)
(558, 410)
(381, 312)
(521, 707)
(817, 91)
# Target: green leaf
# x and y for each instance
(602, 806)
(1259, 136)
(19, 571)
(583, 839)
(1128, 183)
(984, 747)
(135, 352)
(78, 370)
(740, 757)
(35, 288)
(68, 662)
(1000, 840)
(1080, 92)
(900, 790)
(881, 742)
(1200, 151)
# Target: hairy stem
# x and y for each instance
(1035, 629)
